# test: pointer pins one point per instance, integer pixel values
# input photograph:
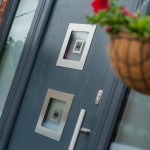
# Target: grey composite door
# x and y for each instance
(83, 84)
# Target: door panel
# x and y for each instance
(83, 84)
(45, 74)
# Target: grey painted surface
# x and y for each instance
(24, 68)
(83, 84)
(118, 101)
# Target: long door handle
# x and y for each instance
(78, 129)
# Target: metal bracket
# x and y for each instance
(98, 97)
(85, 131)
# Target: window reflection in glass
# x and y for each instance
(14, 45)
(134, 130)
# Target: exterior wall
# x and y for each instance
(3, 7)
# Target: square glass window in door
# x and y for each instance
(76, 46)
(134, 129)
(54, 114)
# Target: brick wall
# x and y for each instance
(3, 7)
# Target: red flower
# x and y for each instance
(108, 29)
(99, 5)
(127, 13)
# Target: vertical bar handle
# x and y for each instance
(77, 129)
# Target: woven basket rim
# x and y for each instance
(129, 36)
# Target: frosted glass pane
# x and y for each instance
(76, 45)
(14, 45)
(134, 129)
(53, 114)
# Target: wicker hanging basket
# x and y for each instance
(130, 59)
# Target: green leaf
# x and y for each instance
(118, 21)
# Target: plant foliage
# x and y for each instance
(117, 18)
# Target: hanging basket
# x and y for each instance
(130, 59)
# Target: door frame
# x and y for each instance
(111, 102)
(114, 107)
(113, 115)
(26, 62)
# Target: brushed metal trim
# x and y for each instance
(65, 97)
(79, 28)
(77, 129)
